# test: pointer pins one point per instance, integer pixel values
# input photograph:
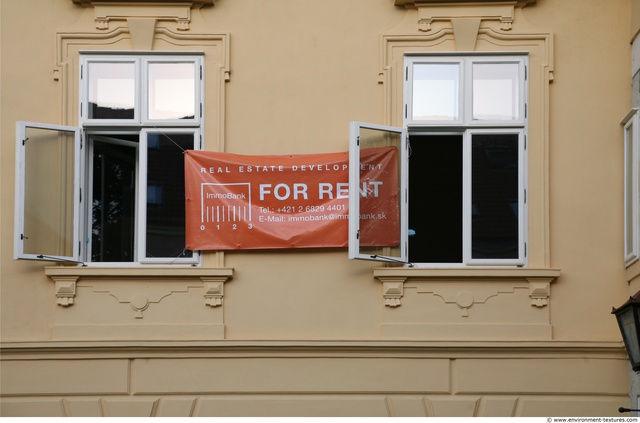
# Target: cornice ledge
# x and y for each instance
(418, 3)
(290, 348)
(194, 4)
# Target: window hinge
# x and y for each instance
(80, 194)
(358, 140)
(201, 146)
(81, 71)
(525, 142)
(406, 73)
(525, 249)
(200, 110)
(200, 72)
(24, 141)
(525, 196)
(405, 110)
(358, 234)
(525, 109)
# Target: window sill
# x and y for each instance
(67, 277)
(394, 278)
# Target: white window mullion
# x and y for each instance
(141, 198)
(467, 204)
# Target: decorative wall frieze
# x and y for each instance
(466, 303)
(538, 281)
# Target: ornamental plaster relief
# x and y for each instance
(466, 303)
(139, 303)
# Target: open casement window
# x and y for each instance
(465, 183)
(467, 119)
(47, 203)
(128, 206)
(118, 196)
(631, 186)
(373, 234)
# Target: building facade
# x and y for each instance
(515, 129)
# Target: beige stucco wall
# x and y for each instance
(308, 332)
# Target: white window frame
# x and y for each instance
(141, 82)
(467, 199)
(20, 207)
(631, 186)
(354, 194)
(467, 126)
(141, 208)
(141, 126)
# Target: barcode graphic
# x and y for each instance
(225, 202)
(226, 214)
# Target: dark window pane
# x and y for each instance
(165, 194)
(494, 196)
(113, 202)
(435, 198)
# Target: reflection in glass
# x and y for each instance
(113, 202)
(171, 91)
(377, 234)
(495, 91)
(494, 196)
(48, 202)
(111, 90)
(435, 92)
(165, 194)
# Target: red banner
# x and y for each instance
(238, 202)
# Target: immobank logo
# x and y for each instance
(295, 201)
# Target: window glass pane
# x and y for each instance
(435, 92)
(48, 191)
(111, 90)
(379, 231)
(496, 91)
(494, 196)
(113, 202)
(165, 194)
(171, 91)
(435, 199)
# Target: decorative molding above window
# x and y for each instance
(178, 11)
(465, 12)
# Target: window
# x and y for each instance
(631, 186)
(115, 191)
(466, 121)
